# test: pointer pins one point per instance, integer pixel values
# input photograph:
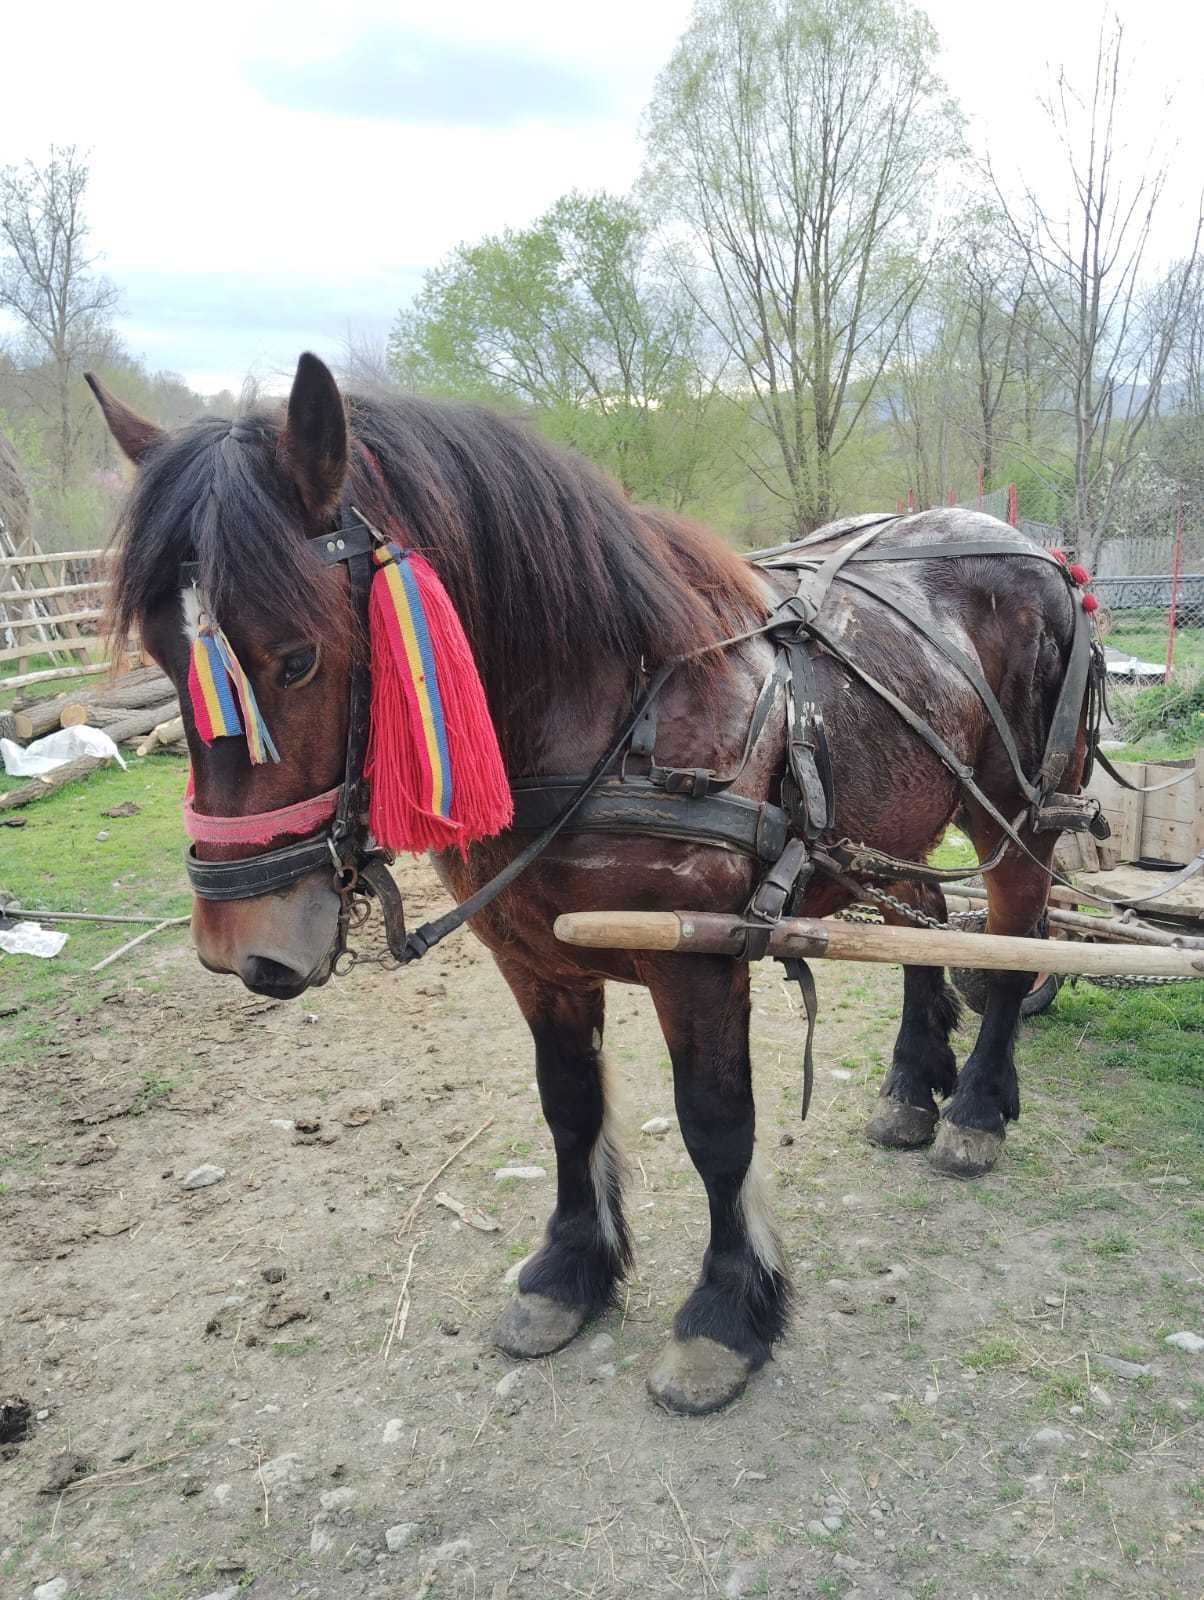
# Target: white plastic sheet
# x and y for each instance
(55, 750)
(31, 939)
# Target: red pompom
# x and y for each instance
(1080, 574)
(1090, 603)
(1059, 555)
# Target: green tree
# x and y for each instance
(796, 143)
(571, 319)
(48, 283)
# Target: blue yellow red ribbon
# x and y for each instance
(405, 619)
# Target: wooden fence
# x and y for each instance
(50, 605)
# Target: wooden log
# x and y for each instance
(134, 724)
(50, 782)
(120, 696)
(1102, 927)
(39, 719)
(714, 933)
(45, 674)
(162, 735)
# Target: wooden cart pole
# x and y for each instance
(712, 933)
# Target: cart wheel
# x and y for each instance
(972, 982)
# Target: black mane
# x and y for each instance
(551, 569)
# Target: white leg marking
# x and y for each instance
(758, 1221)
(606, 1167)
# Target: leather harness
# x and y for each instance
(629, 792)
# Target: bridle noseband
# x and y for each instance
(360, 866)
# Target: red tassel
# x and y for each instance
(1080, 574)
(436, 773)
(1090, 603)
(1059, 555)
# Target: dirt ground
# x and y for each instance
(942, 1420)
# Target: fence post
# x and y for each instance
(1013, 514)
(979, 491)
(951, 497)
(911, 503)
(1176, 562)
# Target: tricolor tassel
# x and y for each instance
(217, 687)
(433, 764)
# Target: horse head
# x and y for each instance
(216, 542)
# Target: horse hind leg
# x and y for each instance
(971, 1135)
(586, 1249)
(923, 1065)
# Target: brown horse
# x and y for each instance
(565, 590)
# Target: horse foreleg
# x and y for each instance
(586, 1249)
(738, 1308)
(970, 1139)
(923, 1064)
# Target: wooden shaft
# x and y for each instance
(712, 933)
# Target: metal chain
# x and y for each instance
(912, 913)
(962, 918)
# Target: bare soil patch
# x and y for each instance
(267, 1382)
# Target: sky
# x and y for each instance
(270, 177)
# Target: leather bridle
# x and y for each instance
(358, 864)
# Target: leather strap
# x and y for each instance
(637, 805)
(265, 873)
(798, 970)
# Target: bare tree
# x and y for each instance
(797, 141)
(48, 283)
(1086, 259)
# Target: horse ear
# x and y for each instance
(314, 442)
(136, 435)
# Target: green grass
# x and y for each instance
(1132, 1062)
(47, 689)
(57, 862)
(992, 1353)
(1144, 634)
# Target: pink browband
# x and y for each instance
(259, 827)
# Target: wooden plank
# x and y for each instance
(1200, 800)
(50, 556)
(1164, 840)
(1124, 808)
(12, 596)
(54, 621)
(49, 647)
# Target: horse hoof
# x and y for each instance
(965, 1152)
(533, 1325)
(899, 1126)
(698, 1375)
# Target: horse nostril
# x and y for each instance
(272, 978)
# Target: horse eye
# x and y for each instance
(298, 666)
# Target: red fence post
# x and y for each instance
(979, 490)
(1176, 562)
(1013, 516)
(951, 497)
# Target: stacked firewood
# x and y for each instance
(139, 710)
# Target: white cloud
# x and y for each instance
(246, 229)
